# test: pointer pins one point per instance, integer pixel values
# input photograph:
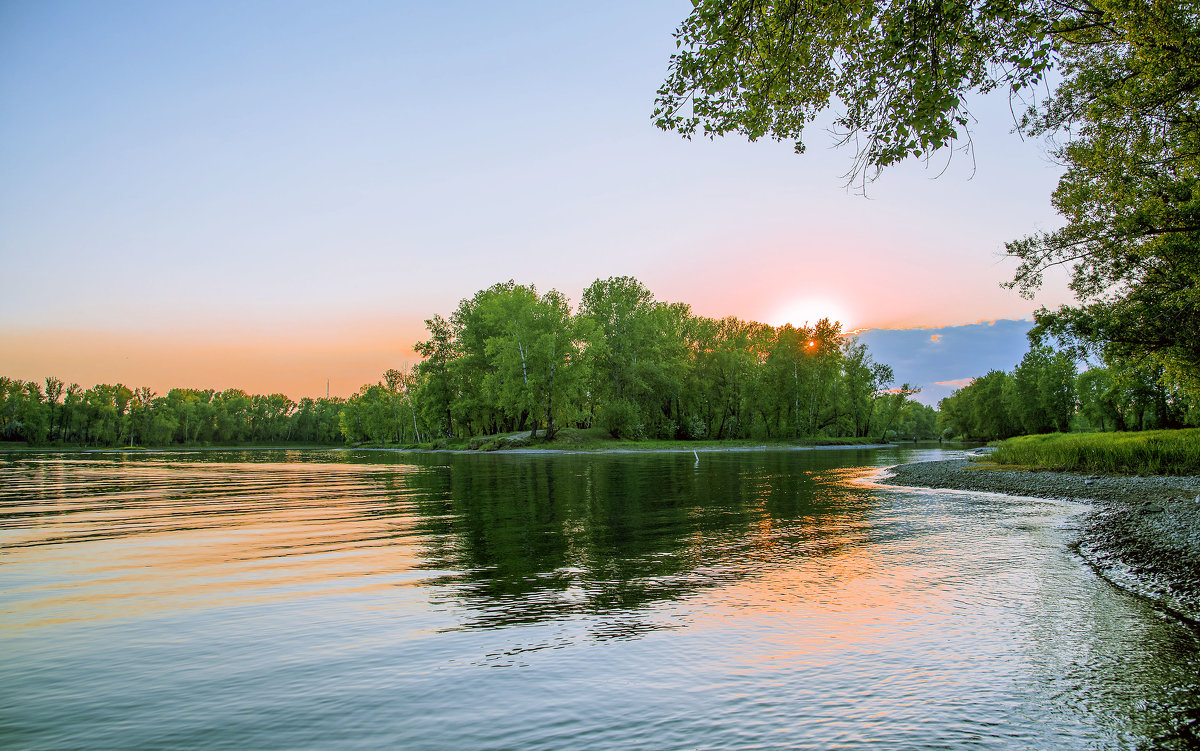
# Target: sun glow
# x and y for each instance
(810, 310)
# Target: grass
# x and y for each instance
(1151, 452)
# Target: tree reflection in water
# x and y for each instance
(525, 538)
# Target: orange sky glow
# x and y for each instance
(231, 214)
(297, 365)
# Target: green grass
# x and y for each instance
(1151, 452)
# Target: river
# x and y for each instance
(725, 600)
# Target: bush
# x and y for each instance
(693, 428)
(665, 428)
(620, 418)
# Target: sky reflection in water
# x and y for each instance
(369, 599)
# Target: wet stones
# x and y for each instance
(1146, 525)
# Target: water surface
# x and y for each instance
(765, 599)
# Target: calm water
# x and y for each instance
(345, 600)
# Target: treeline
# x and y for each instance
(510, 359)
(111, 415)
(1047, 393)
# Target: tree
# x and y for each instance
(1041, 391)
(54, 391)
(1127, 108)
(981, 411)
(900, 69)
(1099, 400)
(411, 381)
(864, 380)
(23, 414)
(1131, 192)
(394, 380)
(624, 337)
(532, 353)
(368, 415)
(233, 416)
(438, 391)
(895, 403)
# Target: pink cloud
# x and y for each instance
(959, 382)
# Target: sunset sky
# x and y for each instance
(267, 197)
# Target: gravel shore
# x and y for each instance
(1142, 533)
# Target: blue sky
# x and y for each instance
(313, 180)
(941, 360)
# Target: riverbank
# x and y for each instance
(1142, 533)
(462, 447)
(597, 440)
(1143, 452)
(673, 447)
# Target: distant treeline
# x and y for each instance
(111, 415)
(1048, 393)
(510, 359)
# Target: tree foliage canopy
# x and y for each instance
(898, 70)
(1130, 101)
(510, 359)
(1124, 114)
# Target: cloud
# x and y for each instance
(924, 356)
(956, 382)
(980, 322)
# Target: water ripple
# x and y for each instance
(762, 600)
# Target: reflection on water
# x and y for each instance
(369, 599)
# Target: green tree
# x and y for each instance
(724, 372)
(368, 415)
(1041, 391)
(140, 416)
(394, 381)
(1099, 400)
(192, 409)
(232, 416)
(899, 70)
(533, 354)
(54, 392)
(622, 349)
(1125, 108)
(1130, 100)
(24, 416)
(896, 403)
(916, 422)
(864, 380)
(980, 411)
(438, 390)
(269, 415)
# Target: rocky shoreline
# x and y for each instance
(1142, 533)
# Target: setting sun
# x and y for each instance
(810, 310)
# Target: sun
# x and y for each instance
(810, 310)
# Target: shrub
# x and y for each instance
(693, 428)
(620, 418)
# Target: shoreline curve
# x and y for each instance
(1142, 534)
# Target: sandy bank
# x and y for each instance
(1142, 533)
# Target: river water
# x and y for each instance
(734, 600)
